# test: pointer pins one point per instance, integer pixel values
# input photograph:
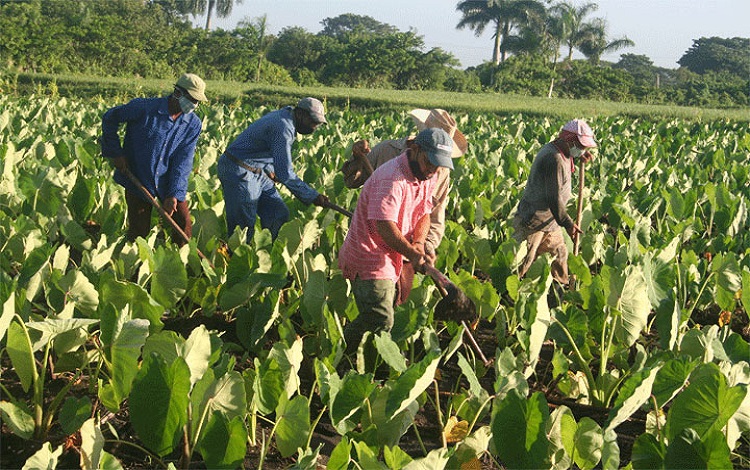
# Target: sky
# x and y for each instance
(662, 30)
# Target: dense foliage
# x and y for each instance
(155, 39)
(90, 350)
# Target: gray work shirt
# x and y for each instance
(544, 200)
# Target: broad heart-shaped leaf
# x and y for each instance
(688, 450)
(292, 425)
(340, 455)
(412, 383)
(518, 430)
(21, 355)
(197, 351)
(635, 392)
(388, 428)
(80, 291)
(169, 280)
(671, 378)
(253, 322)
(631, 301)
(396, 458)
(389, 351)
(313, 298)
(355, 389)
(224, 441)
(706, 404)
(226, 394)
(158, 403)
(92, 445)
(81, 199)
(610, 451)
(659, 275)
(18, 418)
(668, 319)
(588, 443)
(124, 294)
(44, 459)
(244, 291)
(127, 338)
(73, 413)
(561, 428)
(728, 280)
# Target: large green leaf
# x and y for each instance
(688, 450)
(635, 392)
(9, 310)
(127, 340)
(73, 413)
(292, 425)
(631, 301)
(21, 355)
(412, 383)
(388, 427)
(158, 403)
(224, 442)
(169, 281)
(518, 430)
(355, 389)
(706, 404)
(587, 444)
(44, 459)
(18, 418)
(124, 295)
(389, 351)
(197, 351)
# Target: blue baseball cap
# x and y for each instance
(438, 145)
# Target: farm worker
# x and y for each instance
(158, 148)
(389, 224)
(260, 156)
(390, 149)
(542, 209)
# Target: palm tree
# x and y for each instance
(223, 8)
(573, 21)
(504, 15)
(594, 42)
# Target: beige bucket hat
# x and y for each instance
(427, 118)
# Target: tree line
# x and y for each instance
(533, 47)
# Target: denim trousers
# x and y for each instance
(248, 195)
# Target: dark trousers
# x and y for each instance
(139, 218)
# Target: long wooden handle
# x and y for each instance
(338, 208)
(577, 239)
(154, 202)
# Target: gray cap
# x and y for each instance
(438, 145)
(314, 107)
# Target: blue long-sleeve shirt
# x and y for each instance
(158, 149)
(267, 144)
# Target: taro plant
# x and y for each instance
(184, 394)
(33, 419)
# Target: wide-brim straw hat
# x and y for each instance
(427, 118)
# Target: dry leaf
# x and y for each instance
(455, 430)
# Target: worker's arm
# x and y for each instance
(414, 252)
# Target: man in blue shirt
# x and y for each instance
(260, 156)
(159, 146)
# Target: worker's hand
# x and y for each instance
(418, 258)
(586, 157)
(120, 163)
(321, 200)
(169, 205)
(574, 230)
(429, 252)
(361, 148)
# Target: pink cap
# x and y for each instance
(582, 130)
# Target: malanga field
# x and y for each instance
(144, 355)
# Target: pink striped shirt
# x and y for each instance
(391, 193)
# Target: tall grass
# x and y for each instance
(230, 92)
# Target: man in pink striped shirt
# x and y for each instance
(391, 222)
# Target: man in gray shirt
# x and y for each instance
(542, 209)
